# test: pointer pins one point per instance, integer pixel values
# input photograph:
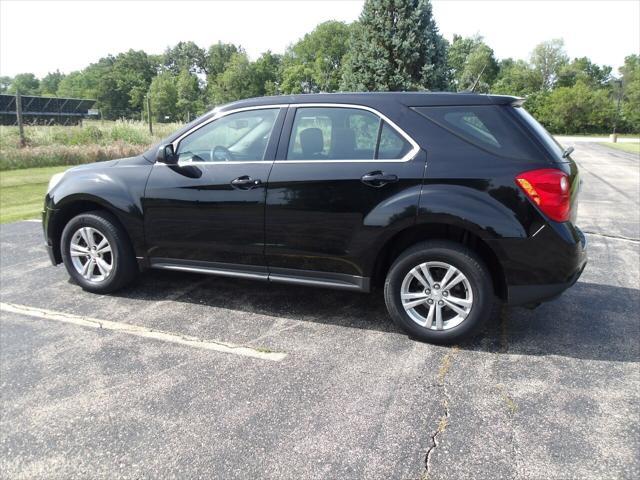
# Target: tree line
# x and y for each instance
(394, 45)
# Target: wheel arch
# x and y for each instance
(70, 208)
(404, 239)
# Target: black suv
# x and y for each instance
(451, 202)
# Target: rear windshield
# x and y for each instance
(486, 126)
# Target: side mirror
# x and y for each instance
(167, 155)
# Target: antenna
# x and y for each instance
(475, 84)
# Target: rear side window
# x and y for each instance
(342, 133)
(489, 127)
(391, 145)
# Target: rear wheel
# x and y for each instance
(439, 292)
(96, 252)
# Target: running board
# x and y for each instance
(280, 275)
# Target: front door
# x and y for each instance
(329, 186)
(210, 206)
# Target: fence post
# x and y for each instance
(19, 118)
(149, 114)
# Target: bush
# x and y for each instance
(129, 132)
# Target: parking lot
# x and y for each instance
(187, 376)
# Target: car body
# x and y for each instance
(329, 190)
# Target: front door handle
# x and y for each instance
(378, 178)
(245, 182)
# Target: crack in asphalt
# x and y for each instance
(445, 366)
(617, 237)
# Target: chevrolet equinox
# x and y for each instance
(452, 203)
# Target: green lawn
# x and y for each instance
(625, 147)
(22, 192)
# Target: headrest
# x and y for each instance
(311, 141)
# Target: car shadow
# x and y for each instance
(589, 321)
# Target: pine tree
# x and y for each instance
(396, 46)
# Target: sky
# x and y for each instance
(42, 36)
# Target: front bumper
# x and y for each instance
(48, 242)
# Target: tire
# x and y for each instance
(91, 228)
(474, 295)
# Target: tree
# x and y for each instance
(396, 47)
(630, 76)
(218, 57)
(25, 83)
(189, 102)
(186, 56)
(50, 83)
(236, 82)
(471, 59)
(516, 77)
(314, 63)
(266, 73)
(547, 59)
(583, 70)
(163, 95)
(577, 109)
(4, 83)
(132, 73)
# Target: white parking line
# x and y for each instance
(35, 220)
(144, 332)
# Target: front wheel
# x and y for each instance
(96, 252)
(439, 292)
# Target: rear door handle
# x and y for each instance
(378, 178)
(245, 182)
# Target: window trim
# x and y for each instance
(217, 116)
(415, 148)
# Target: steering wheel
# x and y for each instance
(221, 154)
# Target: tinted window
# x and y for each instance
(241, 136)
(392, 144)
(333, 133)
(542, 133)
(487, 126)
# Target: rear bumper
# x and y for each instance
(534, 294)
(541, 267)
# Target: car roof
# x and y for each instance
(373, 99)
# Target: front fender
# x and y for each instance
(118, 190)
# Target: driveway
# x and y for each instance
(203, 377)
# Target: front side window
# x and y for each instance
(339, 133)
(241, 136)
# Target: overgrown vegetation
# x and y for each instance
(92, 142)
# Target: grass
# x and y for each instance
(625, 147)
(93, 141)
(22, 192)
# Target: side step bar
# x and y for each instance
(281, 275)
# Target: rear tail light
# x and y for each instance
(548, 188)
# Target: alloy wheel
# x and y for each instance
(436, 295)
(91, 254)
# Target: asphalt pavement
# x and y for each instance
(187, 376)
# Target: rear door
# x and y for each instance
(335, 168)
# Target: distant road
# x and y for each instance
(563, 138)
